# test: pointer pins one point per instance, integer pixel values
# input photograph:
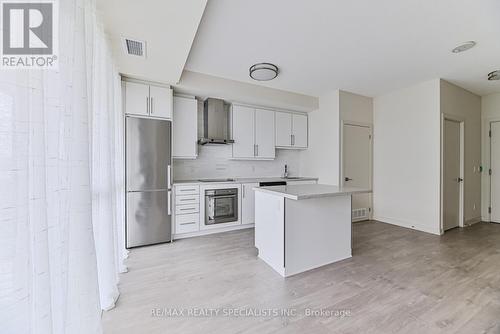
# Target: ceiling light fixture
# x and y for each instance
(464, 47)
(495, 75)
(263, 71)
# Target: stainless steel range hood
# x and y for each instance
(216, 123)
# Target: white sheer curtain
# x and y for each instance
(61, 185)
(107, 164)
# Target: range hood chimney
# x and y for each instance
(216, 123)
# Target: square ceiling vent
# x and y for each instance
(134, 47)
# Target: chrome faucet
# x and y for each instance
(285, 174)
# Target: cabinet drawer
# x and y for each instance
(187, 199)
(187, 223)
(187, 190)
(187, 208)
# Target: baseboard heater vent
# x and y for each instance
(360, 214)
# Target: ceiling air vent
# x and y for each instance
(134, 47)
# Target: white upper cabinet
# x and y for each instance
(243, 132)
(160, 101)
(136, 98)
(283, 129)
(185, 128)
(291, 130)
(253, 133)
(299, 130)
(147, 100)
(264, 134)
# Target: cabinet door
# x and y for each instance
(299, 130)
(243, 132)
(185, 127)
(283, 129)
(136, 99)
(248, 203)
(160, 102)
(264, 134)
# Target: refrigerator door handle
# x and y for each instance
(169, 177)
(169, 202)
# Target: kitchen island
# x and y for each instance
(302, 227)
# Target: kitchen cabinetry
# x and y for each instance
(143, 99)
(248, 203)
(187, 209)
(253, 133)
(185, 128)
(291, 130)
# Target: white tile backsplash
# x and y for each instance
(214, 161)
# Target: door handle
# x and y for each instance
(169, 177)
(459, 179)
(169, 203)
(347, 179)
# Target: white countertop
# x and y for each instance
(250, 180)
(307, 191)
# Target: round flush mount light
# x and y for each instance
(495, 75)
(464, 47)
(263, 71)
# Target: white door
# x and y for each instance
(264, 134)
(161, 102)
(299, 131)
(451, 174)
(495, 172)
(356, 167)
(248, 203)
(283, 129)
(136, 99)
(243, 132)
(185, 127)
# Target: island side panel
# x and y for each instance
(317, 232)
(269, 229)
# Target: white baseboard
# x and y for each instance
(211, 231)
(473, 221)
(408, 224)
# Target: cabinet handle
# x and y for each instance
(147, 104)
(257, 150)
(243, 191)
(191, 223)
(151, 105)
(293, 140)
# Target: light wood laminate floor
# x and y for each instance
(398, 281)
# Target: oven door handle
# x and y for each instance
(222, 196)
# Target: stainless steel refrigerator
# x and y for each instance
(148, 181)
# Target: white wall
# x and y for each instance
(406, 180)
(204, 85)
(355, 108)
(322, 158)
(490, 110)
(214, 162)
(464, 105)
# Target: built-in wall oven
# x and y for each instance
(221, 206)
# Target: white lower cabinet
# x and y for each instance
(248, 203)
(187, 209)
(187, 223)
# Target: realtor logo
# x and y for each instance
(29, 34)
